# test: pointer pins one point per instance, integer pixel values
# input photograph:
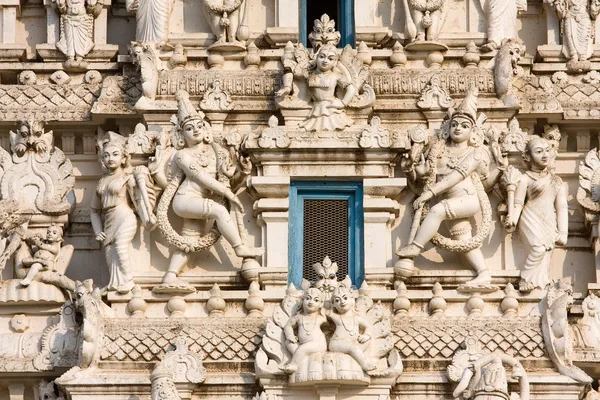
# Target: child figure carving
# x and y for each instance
(454, 172)
(539, 212)
(310, 338)
(347, 337)
(46, 254)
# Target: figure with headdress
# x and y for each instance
(335, 81)
(308, 322)
(452, 172)
(539, 211)
(121, 189)
(200, 192)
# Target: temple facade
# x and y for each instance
(299, 200)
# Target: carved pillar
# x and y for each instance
(380, 211)
(272, 212)
(9, 49)
(287, 16)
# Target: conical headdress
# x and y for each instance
(186, 110)
(468, 107)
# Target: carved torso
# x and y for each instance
(202, 161)
(112, 190)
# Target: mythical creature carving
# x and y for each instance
(586, 332)
(346, 338)
(454, 169)
(506, 66)
(152, 20)
(482, 376)
(77, 29)
(558, 334)
(501, 21)
(121, 190)
(201, 189)
(588, 193)
(36, 195)
(577, 21)
(145, 58)
(229, 26)
(93, 313)
(538, 208)
(334, 81)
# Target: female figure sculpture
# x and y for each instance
(540, 211)
(112, 217)
(454, 171)
(198, 190)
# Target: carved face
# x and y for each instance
(326, 59)
(312, 301)
(53, 233)
(540, 154)
(112, 157)
(343, 301)
(194, 132)
(460, 129)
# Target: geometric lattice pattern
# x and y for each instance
(440, 338)
(325, 234)
(212, 339)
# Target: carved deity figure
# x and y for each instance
(352, 333)
(152, 20)
(335, 82)
(485, 379)
(577, 25)
(225, 21)
(539, 211)
(199, 192)
(501, 21)
(120, 190)
(77, 28)
(308, 322)
(424, 19)
(46, 255)
(454, 172)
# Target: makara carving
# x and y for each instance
(537, 206)
(77, 29)
(201, 190)
(335, 82)
(328, 333)
(145, 58)
(482, 376)
(36, 183)
(506, 67)
(121, 190)
(453, 168)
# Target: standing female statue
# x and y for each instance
(199, 188)
(152, 19)
(540, 211)
(120, 190)
(454, 172)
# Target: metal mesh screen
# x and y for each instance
(325, 234)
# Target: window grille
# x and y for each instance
(325, 234)
(326, 219)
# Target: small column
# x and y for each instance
(287, 16)
(9, 49)
(380, 211)
(272, 212)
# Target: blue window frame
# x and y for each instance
(344, 194)
(344, 20)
